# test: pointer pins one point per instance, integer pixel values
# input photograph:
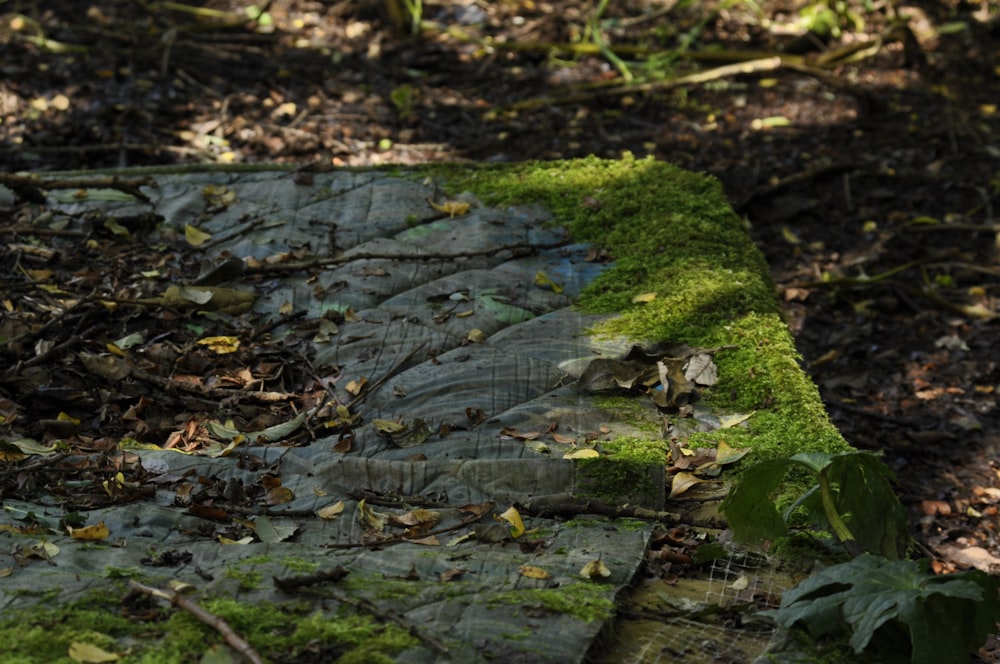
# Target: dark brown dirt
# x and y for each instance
(871, 184)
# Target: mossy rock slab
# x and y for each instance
(481, 297)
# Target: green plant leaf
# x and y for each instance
(814, 461)
(861, 508)
(946, 617)
(749, 508)
(865, 499)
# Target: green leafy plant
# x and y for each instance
(404, 99)
(852, 499)
(946, 617)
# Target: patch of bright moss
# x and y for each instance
(673, 233)
(44, 634)
(583, 601)
(121, 572)
(300, 566)
(630, 410)
(248, 579)
(627, 467)
(382, 588)
(278, 632)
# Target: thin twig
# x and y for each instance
(235, 641)
(371, 387)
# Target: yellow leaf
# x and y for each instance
(354, 387)
(476, 336)
(195, 237)
(451, 208)
(725, 454)
(582, 454)
(789, 235)
(371, 519)
(221, 345)
(116, 228)
(39, 275)
(388, 427)
(331, 511)
(595, 568)
(543, 280)
(644, 298)
(54, 290)
(63, 417)
(682, 482)
(98, 532)
(87, 653)
(732, 420)
(978, 311)
(513, 519)
(533, 572)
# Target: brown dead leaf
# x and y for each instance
(331, 511)
(450, 575)
(681, 482)
(279, 496)
(344, 443)
(417, 517)
(935, 507)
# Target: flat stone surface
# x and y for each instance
(472, 347)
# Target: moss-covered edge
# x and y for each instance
(673, 233)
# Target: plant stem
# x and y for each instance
(840, 529)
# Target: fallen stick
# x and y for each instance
(234, 640)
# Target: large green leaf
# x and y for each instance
(866, 501)
(749, 508)
(947, 617)
(869, 516)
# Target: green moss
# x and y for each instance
(248, 579)
(583, 601)
(627, 468)
(382, 588)
(278, 632)
(43, 634)
(673, 233)
(634, 525)
(121, 572)
(300, 566)
(629, 410)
